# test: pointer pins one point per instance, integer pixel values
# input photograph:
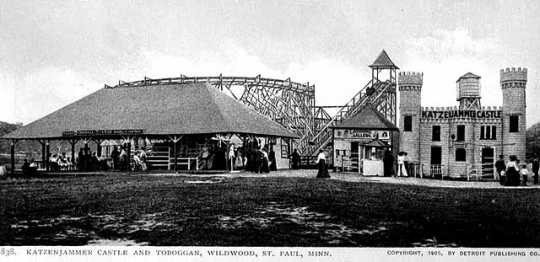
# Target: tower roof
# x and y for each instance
(383, 61)
(468, 75)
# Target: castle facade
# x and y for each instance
(463, 140)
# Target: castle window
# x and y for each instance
(461, 154)
(514, 124)
(436, 133)
(488, 132)
(482, 131)
(460, 133)
(407, 124)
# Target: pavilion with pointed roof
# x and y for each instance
(194, 115)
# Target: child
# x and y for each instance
(524, 173)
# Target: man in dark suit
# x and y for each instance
(500, 166)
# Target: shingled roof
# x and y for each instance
(367, 118)
(156, 110)
(383, 61)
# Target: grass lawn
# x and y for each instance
(161, 210)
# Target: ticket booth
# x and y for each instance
(372, 162)
(361, 142)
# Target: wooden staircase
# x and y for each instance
(371, 94)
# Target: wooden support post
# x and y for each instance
(73, 142)
(12, 147)
(42, 142)
(98, 146)
(136, 143)
(129, 153)
(47, 154)
(175, 155)
(231, 158)
(175, 140)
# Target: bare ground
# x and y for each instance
(242, 210)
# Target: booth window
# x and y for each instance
(436, 133)
(460, 133)
(461, 154)
(284, 148)
(514, 124)
(341, 152)
(407, 124)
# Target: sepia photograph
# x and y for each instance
(279, 129)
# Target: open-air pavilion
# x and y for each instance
(179, 125)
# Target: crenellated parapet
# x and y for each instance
(513, 77)
(410, 80)
(456, 108)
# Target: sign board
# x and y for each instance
(363, 134)
(109, 132)
(462, 113)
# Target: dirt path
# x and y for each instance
(352, 177)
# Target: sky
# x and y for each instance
(55, 52)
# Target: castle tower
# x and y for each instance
(513, 84)
(410, 106)
(468, 91)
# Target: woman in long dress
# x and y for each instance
(321, 163)
(264, 162)
(272, 159)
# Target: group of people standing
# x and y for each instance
(251, 156)
(402, 164)
(90, 161)
(29, 168)
(512, 173)
(261, 160)
(121, 161)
